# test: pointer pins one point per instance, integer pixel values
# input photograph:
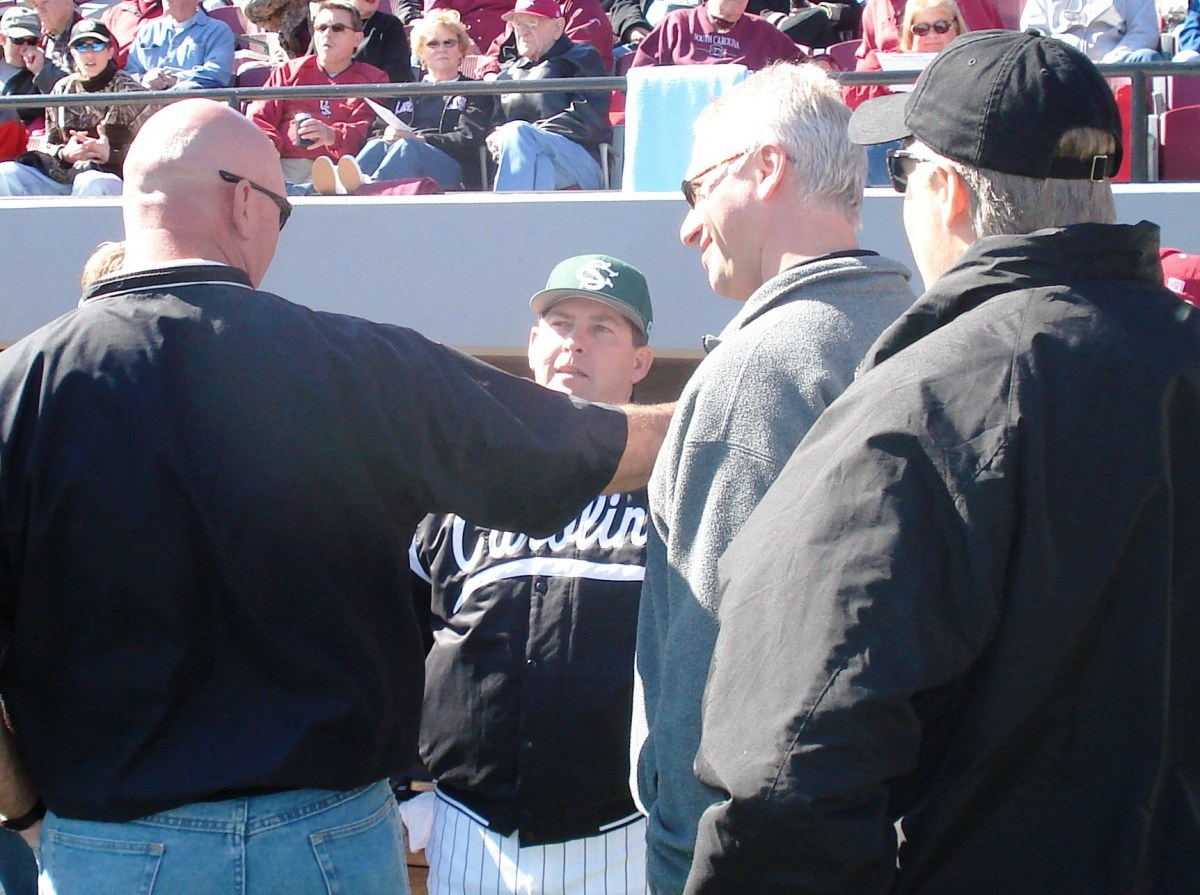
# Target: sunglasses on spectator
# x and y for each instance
(24, 41)
(335, 27)
(444, 44)
(90, 46)
(899, 170)
(284, 206)
(941, 26)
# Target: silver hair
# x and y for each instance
(1012, 204)
(800, 108)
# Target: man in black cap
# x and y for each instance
(965, 616)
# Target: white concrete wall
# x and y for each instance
(460, 268)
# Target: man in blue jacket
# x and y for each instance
(184, 49)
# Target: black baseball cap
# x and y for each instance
(90, 29)
(1001, 100)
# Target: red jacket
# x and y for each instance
(351, 119)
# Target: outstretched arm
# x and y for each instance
(647, 428)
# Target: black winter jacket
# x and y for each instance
(579, 116)
(454, 124)
(971, 601)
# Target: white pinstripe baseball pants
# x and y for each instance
(466, 858)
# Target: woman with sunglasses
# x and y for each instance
(442, 134)
(884, 25)
(929, 25)
(85, 146)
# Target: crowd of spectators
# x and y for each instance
(510, 141)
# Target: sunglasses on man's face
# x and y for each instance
(900, 164)
(281, 202)
(335, 27)
(90, 46)
(23, 41)
(941, 26)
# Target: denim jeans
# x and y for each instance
(533, 159)
(25, 180)
(303, 842)
(408, 160)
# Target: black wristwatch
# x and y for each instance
(26, 820)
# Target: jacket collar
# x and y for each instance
(997, 265)
(160, 278)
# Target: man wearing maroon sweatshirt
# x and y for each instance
(715, 32)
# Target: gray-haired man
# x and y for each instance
(775, 189)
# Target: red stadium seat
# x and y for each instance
(843, 54)
(231, 16)
(1183, 92)
(1179, 154)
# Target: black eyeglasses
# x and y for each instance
(690, 187)
(284, 206)
(941, 26)
(24, 41)
(335, 27)
(897, 170)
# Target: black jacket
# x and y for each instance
(455, 124)
(23, 84)
(579, 116)
(529, 683)
(385, 46)
(240, 623)
(971, 601)
(624, 15)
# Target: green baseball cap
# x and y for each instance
(601, 278)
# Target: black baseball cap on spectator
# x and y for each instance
(1001, 100)
(90, 29)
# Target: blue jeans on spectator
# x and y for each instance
(25, 180)
(532, 159)
(302, 842)
(1138, 56)
(408, 160)
(18, 867)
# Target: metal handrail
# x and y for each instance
(1139, 73)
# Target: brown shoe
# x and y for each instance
(350, 174)
(324, 177)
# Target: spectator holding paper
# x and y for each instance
(425, 136)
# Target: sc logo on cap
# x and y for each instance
(595, 275)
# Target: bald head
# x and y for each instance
(176, 204)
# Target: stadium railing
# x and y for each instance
(1140, 76)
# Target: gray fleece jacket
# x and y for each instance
(791, 349)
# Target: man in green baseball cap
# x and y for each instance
(529, 683)
(594, 319)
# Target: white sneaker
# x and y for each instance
(324, 177)
(350, 174)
